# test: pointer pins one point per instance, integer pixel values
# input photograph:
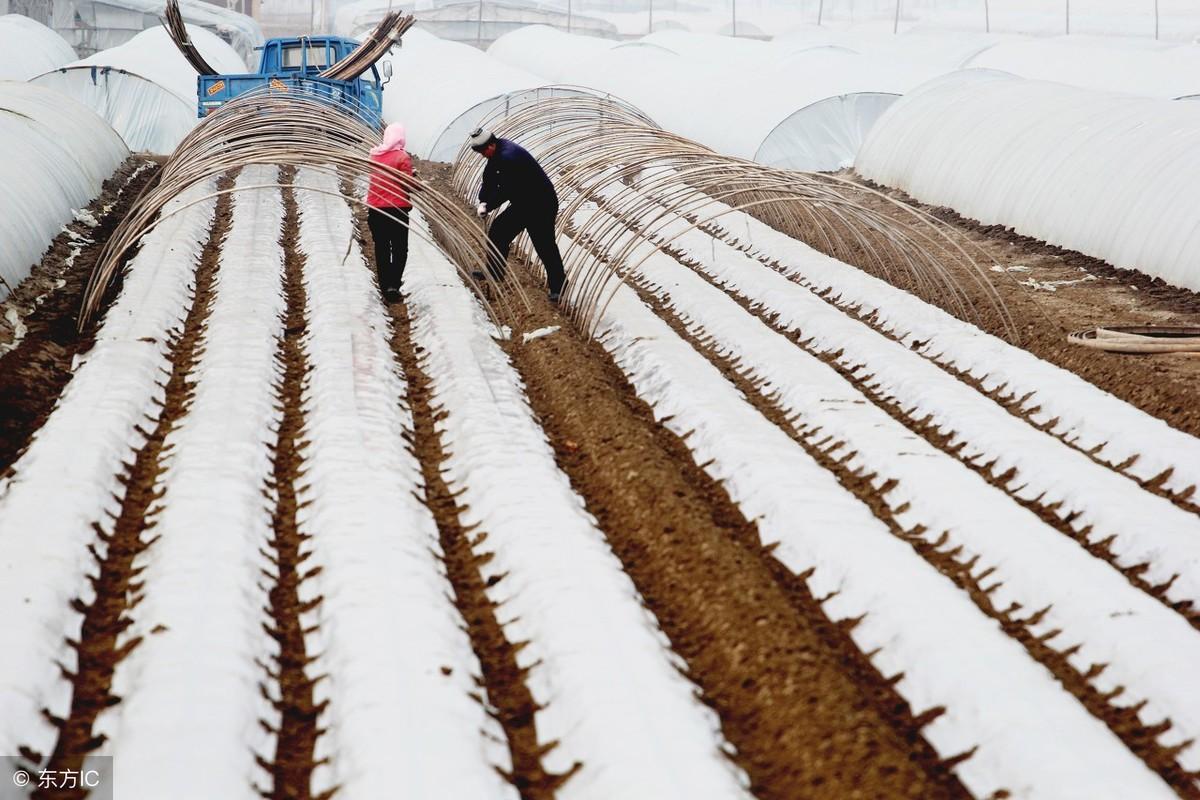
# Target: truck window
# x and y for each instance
(293, 56)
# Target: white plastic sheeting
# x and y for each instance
(793, 110)
(1112, 176)
(149, 117)
(152, 55)
(29, 48)
(1168, 72)
(547, 51)
(57, 157)
(145, 88)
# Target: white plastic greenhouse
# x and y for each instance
(1113, 176)
(145, 89)
(442, 90)
(95, 25)
(803, 110)
(65, 154)
(29, 48)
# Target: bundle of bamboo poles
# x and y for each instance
(386, 34)
(173, 22)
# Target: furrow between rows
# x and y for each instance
(70, 479)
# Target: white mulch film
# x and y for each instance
(920, 621)
(188, 724)
(68, 478)
(400, 670)
(612, 694)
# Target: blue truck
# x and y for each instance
(295, 64)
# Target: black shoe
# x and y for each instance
(391, 294)
(554, 297)
(478, 276)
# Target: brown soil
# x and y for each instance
(806, 712)
(298, 731)
(117, 592)
(1139, 738)
(510, 700)
(1162, 385)
(34, 374)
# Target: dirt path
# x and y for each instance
(34, 373)
(1068, 291)
(115, 587)
(504, 680)
(806, 712)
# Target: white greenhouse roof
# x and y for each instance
(29, 48)
(797, 110)
(59, 155)
(145, 88)
(1110, 175)
(1094, 63)
(104, 24)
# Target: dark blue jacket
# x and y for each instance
(514, 175)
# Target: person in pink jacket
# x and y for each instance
(389, 206)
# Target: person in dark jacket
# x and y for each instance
(513, 175)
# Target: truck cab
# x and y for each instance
(295, 64)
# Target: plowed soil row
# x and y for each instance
(292, 767)
(805, 710)
(507, 696)
(1124, 722)
(117, 592)
(35, 372)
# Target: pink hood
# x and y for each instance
(393, 139)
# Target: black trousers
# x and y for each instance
(539, 224)
(391, 244)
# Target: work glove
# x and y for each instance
(481, 209)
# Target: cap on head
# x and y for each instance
(480, 139)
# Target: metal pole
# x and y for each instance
(568, 16)
(896, 19)
(735, 17)
(650, 24)
(1068, 17)
(1156, 20)
(479, 29)
(820, 10)
(987, 18)
(312, 13)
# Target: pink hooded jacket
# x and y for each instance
(384, 191)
